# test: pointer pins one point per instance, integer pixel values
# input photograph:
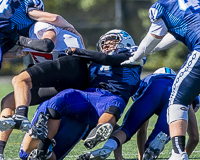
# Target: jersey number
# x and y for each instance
(185, 4)
(3, 5)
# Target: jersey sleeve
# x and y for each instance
(101, 58)
(158, 28)
(34, 4)
(155, 12)
(41, 27)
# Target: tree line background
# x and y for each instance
(93, 18)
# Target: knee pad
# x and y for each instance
(114, 111)
(53, 114)
(176, 112)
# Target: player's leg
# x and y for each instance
(135, 114)
(160, 134)
(38, 95)
(68, 135)
(185, 88)
(113, 108)
(67, 72)
(69, 102)
(141, 139)
(7, 110)
(38, 140)
(192, 131)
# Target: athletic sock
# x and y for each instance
(178, 143)
(22, 111)
(2, 146)
(112, 143)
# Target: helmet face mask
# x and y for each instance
(113, 40)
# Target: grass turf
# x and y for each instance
(129, 149)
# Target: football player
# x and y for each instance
(160, 134)
(62, 40)
(181, 19)
(103, 101)
(15, 19)
(140, 111)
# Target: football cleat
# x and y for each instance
(40, 130)
(99, 134)
(15, 122)
(98, 154)
(148, 155)
(155, 147)
(37, 155)
(181, 156)
(22, 123)
(1, 157)
(6, 123)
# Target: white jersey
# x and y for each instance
(65, 39)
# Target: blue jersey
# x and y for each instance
(121, 81)
(146, 82)
(182, 19)
(13, 14)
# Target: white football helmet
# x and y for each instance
(123, 39)
(164, 70)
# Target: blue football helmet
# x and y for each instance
(121, 39)
(165, 70)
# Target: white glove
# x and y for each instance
(132, 61)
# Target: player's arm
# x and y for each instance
(98, 57)
(167, 41)
(192, 132)
(45, 44)
(53, 19)
(155, 34)
(47, 17)
(141, 139)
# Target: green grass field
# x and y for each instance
(129, 149)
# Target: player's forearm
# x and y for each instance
(146, 46)
(51, 18)
(16, 53)
(168, 41)
(99, 57)
(43, 45)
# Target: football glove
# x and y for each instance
(40, 129)
(132, 61)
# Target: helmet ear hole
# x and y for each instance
(128, 45)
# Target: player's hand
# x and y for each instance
(20, 53)
(70, 51)
(132, 61)
(40, 130)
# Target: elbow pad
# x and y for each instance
(43, 45)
